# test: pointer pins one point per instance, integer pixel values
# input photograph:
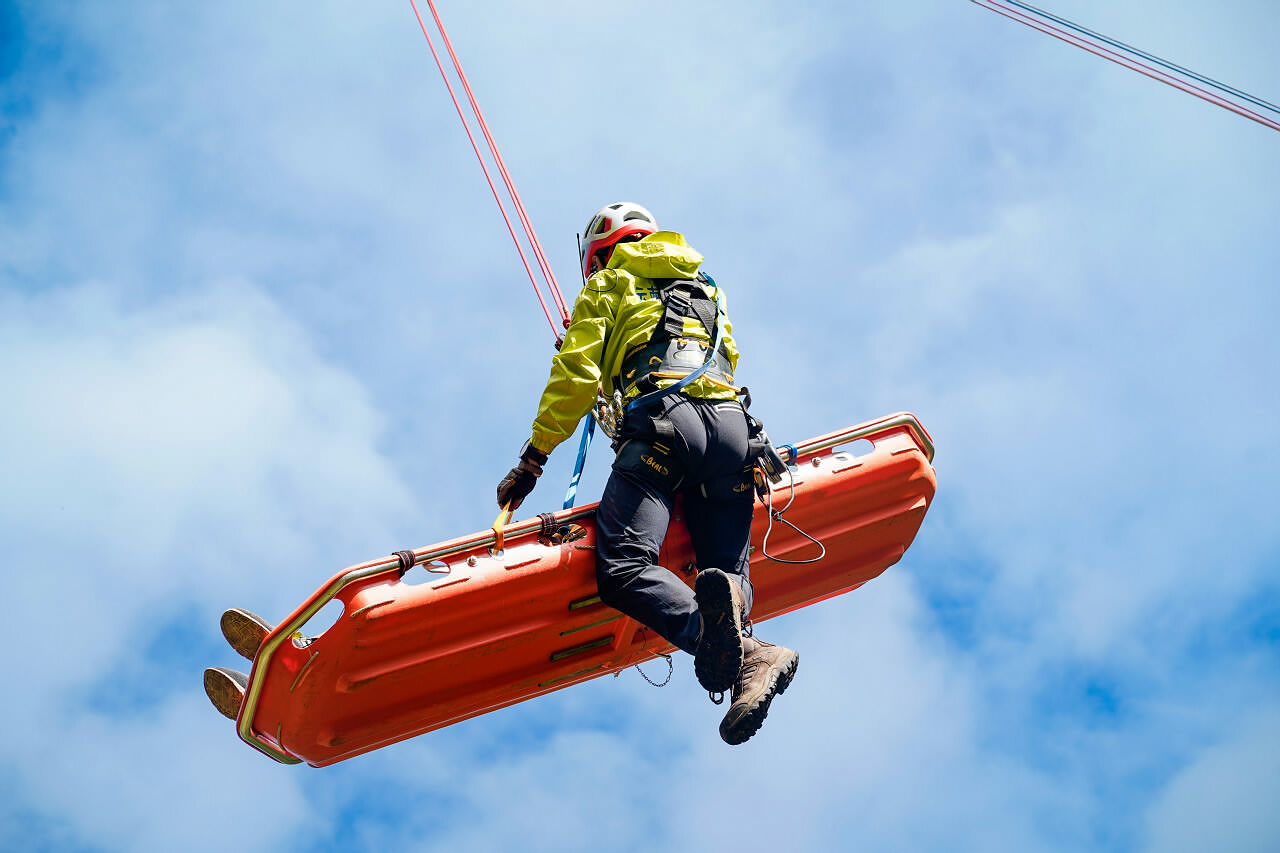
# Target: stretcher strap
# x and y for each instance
(499, 524)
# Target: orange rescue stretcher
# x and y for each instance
(512, 613)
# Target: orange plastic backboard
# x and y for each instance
(494, 627)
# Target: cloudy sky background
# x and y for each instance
(260, 320)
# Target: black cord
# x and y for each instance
(777, 514)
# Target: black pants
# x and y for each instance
(681, 445)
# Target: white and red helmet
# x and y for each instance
(612, 223)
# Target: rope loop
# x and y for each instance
(406, 559)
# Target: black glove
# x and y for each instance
(520, 480)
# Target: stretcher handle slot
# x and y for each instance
(855, 448)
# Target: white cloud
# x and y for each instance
(1224, 799)
(177, 458)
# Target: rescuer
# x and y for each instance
(649, 326)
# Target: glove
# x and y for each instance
(520, 480)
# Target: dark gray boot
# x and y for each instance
(245, 631)
(766, 672)
(225, 688)
(719, 655)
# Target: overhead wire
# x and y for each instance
(1145, 55)
(549, 279)
(1083, 38)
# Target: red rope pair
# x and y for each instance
(548, 276)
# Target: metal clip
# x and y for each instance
(609, 414)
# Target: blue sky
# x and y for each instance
(259, 320)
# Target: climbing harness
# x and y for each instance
(612, 413)
(669, 354)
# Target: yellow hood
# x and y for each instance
(664, 254)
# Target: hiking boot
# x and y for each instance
(245, 631)
(225, 688)
(719, 654)
(767, 671)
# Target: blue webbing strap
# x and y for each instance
(587, 432)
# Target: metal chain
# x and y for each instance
(671, 668)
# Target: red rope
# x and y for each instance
(547, 273)
(544, 266)
(1119, 59)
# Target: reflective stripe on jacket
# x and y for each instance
(616, 313)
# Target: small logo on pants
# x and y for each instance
(655, 465)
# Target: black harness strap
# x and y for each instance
(665, 350)
(684, 298)
(676, 306)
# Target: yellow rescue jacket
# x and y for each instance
(615, 315)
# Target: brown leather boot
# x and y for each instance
(225, 688)
(245, 631)
(719, 654)
(767, 671)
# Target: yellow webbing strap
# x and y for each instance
(499, 524)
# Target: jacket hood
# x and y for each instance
(663, 254)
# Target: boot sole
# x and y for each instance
(225, 689)
(719, 654)
(742, 728)
(244, 631)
